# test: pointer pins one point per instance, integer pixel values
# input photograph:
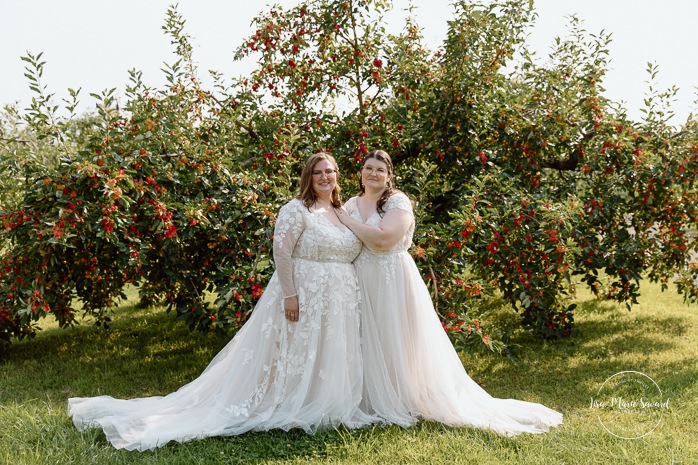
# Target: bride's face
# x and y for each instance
(324, 178)
(375, 175)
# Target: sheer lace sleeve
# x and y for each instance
(290, 224)
(400, 201)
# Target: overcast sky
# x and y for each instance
(93, 43)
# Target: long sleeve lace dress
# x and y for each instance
(273, 373)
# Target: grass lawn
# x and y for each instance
(147, 353)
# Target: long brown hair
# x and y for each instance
(383, 156)
(307, 193)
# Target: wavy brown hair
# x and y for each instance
(307, 193)
(383, 156)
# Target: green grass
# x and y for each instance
(146, 353)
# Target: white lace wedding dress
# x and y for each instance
(273, 373)
(411, 369)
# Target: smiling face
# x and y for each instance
(375, 174)
(324, 176)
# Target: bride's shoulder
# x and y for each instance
(399, 200)
(294, 207)
(396, 194)
(351, 203)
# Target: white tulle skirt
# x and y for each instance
(412, 370)
(272, 374)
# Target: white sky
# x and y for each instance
(93, 43)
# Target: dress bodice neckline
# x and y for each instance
(341, 229)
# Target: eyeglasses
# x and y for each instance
(371, 170)
(317, 174)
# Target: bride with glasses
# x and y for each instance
(411, 369)
(296, 363)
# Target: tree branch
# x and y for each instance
(244, 126)
(572, 162)
(20, 141)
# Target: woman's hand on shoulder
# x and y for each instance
(343, 215)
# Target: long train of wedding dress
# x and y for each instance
(273, 373)
(412, 370)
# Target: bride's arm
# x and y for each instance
(389, 232)
(289, 227)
